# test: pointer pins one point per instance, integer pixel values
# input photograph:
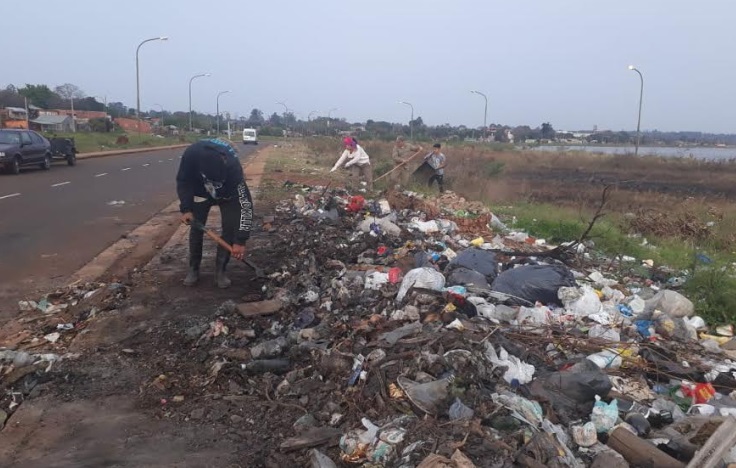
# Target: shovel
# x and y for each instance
(221, 242)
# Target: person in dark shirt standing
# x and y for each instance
(438, 162)
(210, 174)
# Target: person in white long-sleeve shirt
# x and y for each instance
(357, 161)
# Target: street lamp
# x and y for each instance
(641, 97)
(218, 110)
(485, 112)
(190, 95)
(138, 79)
(411, 122)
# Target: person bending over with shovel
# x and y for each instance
(356, 159)
(210, 174)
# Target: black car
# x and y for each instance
(22, 148)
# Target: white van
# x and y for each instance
(250, 136)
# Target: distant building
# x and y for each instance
(13, 117)
(52, 123)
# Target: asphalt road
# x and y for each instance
(54, 222)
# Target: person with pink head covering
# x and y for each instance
(357, 161)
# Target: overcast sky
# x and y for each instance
(563, 61)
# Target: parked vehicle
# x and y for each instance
(64, 148)
(250, 136)
(23, 148)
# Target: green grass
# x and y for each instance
(87, 142)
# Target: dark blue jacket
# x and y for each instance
(211, 169)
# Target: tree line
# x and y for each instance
(60, 97)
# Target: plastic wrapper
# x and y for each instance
(585, 435)
(534, 283)
(525, 410)
(425, 396)
(427, 278)
(671, 303)
(604, 333)
(458, 411)
(604, 415)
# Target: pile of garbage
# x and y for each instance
(43, 334)
(410, 340)
(422, 332)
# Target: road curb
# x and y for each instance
(102, 154)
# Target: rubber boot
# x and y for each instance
(192, 277)
(195, 258)
(221, 279)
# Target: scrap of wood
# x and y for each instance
(259, 309)
(719, 444)
(640, 452)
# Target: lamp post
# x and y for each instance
(218, 110)
(138, 79)
(190, 95)
(485, 111)
(641, 97)
(411, 122)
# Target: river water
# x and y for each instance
(706, 153)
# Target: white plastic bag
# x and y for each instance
(426, 277)
(605, 333)
(518, 370)
(376, 280)
(492, 312)
(533, 315)
(580, 302)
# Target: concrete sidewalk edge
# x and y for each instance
(102, 154)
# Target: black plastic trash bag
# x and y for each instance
(468, 278)
(571, 394)
(534, 283)
(482, 261)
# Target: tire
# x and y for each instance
(46, 164)
(15, 166)
(71, 159)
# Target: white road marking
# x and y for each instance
(126, 169)
(171, 159)
(146, 165)
(160, 160)
(101, 174)
(61, 183)
(10, 196)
